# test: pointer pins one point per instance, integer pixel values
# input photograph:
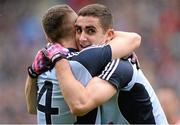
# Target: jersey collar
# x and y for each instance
(72, 50)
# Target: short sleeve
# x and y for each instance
(118, 73)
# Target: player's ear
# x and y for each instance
(110, 34)
(47, 38)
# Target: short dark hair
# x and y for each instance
(55, 22)
(101, 12)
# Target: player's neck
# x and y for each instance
(69, 43)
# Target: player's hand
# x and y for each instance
(41, 64)
(55, 52)
(134, 59)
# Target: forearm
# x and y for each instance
(31, 95)
(73, 91)
(82, 99)
(124, 43)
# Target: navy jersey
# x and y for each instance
(137, 100)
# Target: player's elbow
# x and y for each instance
(136, 39)
(81, 105)
(78, 110)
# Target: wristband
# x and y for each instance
(57, 57)
(31, 72)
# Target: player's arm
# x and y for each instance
(31, 95)
(124, 43)
(40, 65)
(81, 100)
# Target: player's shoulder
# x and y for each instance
(125, 67)
(95, 47)
(85, 50)
(93, 52)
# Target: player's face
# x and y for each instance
(89, 31)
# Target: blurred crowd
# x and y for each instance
(21, 35)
